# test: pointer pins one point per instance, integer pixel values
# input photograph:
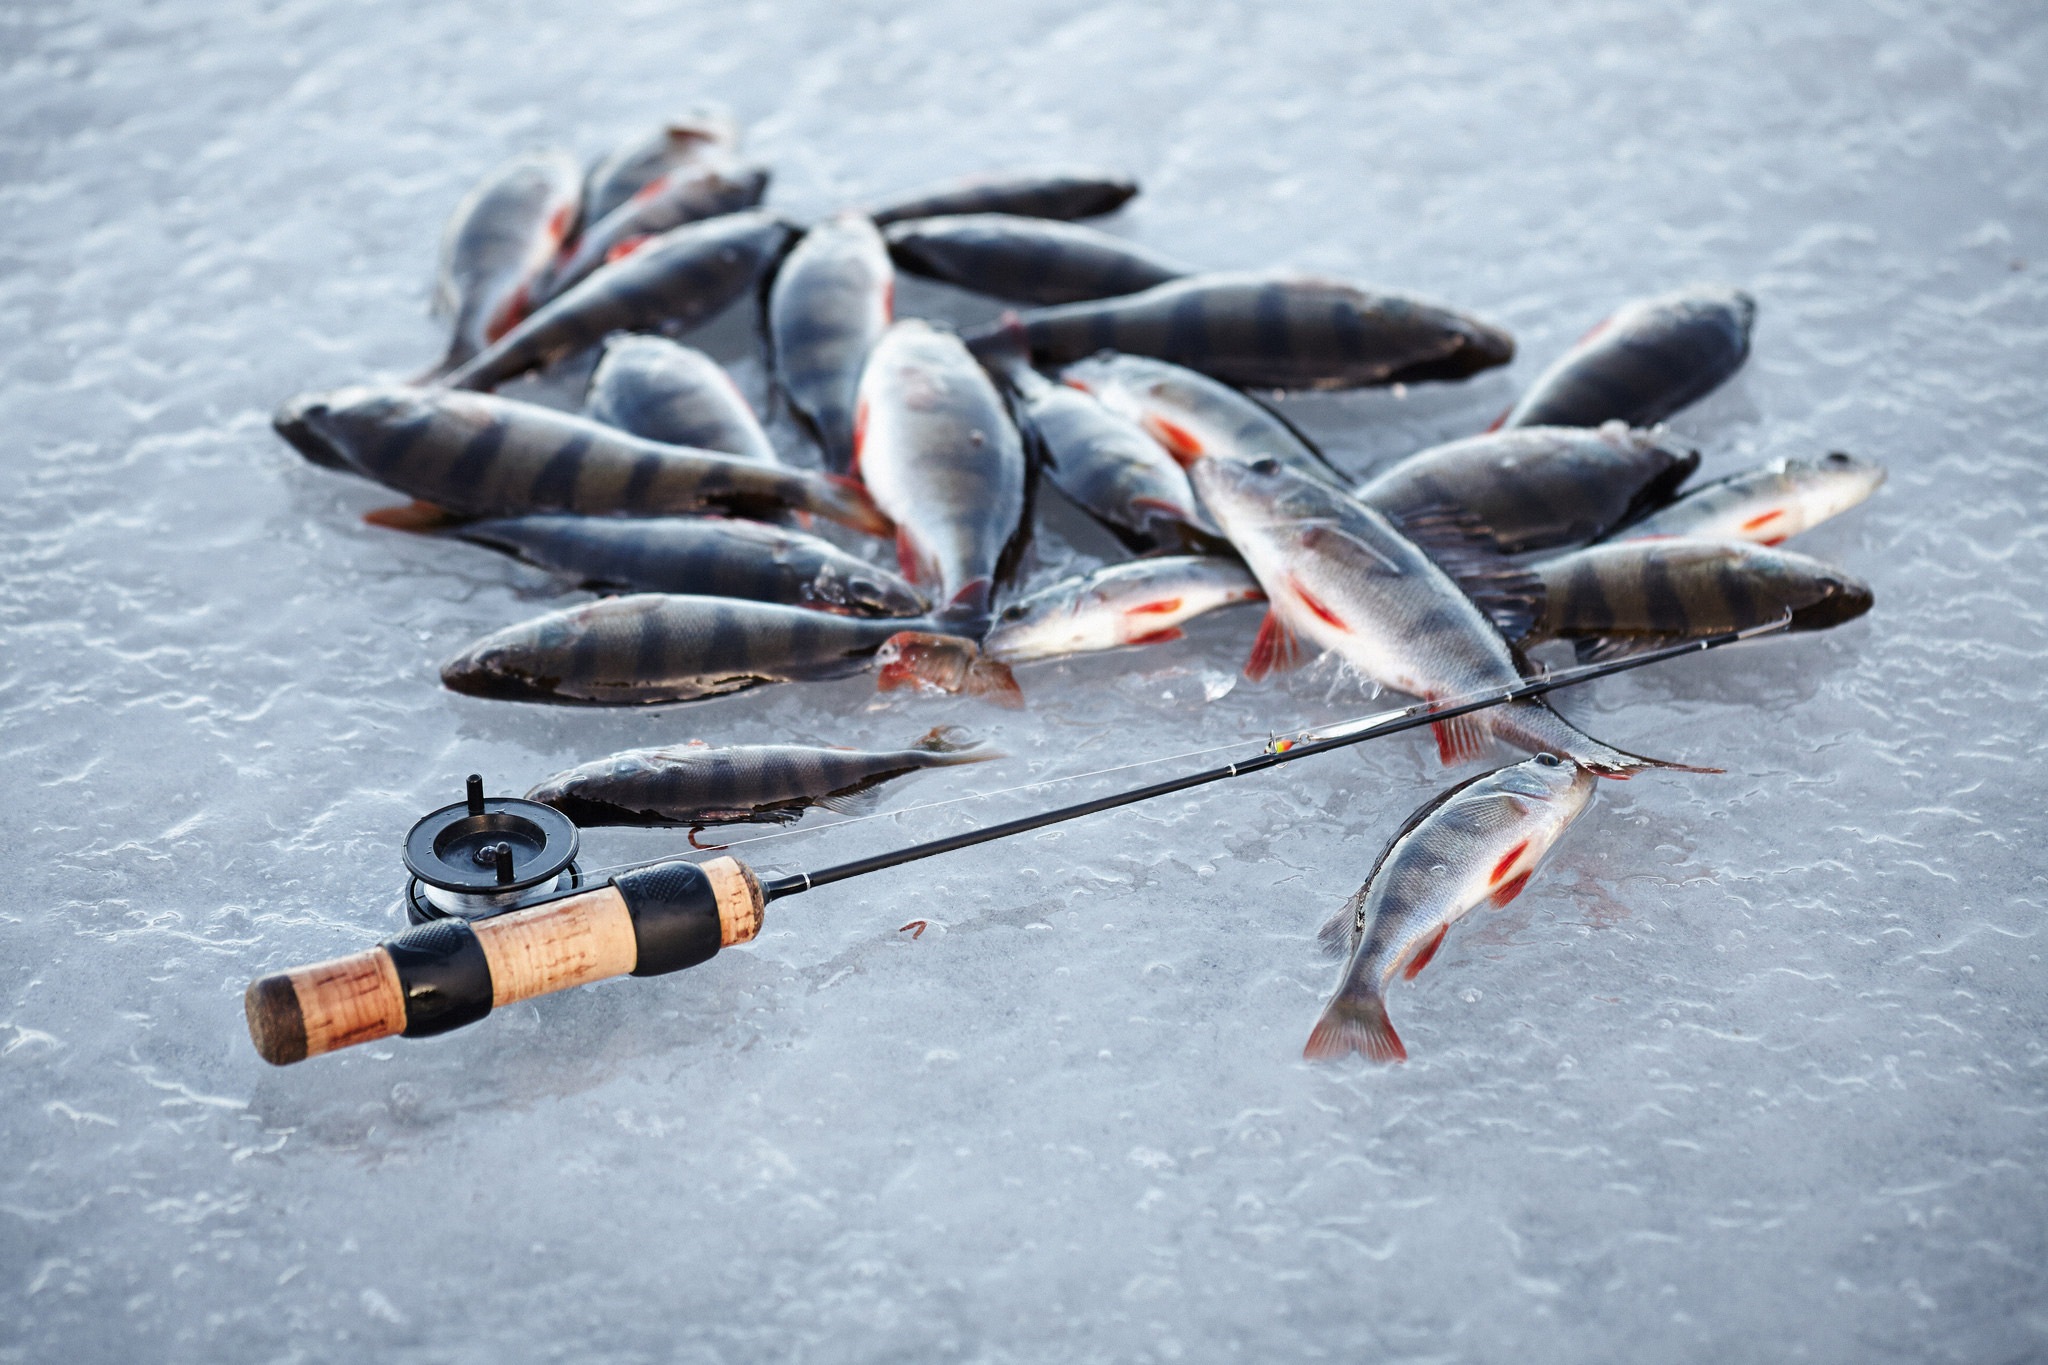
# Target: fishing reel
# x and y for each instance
(501, 913)
(484, 856)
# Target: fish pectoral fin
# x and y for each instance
(863, 798)
(1421, 959)
(1157, 637)
(1459, 739)
(1340, 932)
(1329, 538)
(1276, 650)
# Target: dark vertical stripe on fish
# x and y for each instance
(555, 484)
(473, 466)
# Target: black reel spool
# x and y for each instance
(483, 856)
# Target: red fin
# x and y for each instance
(1309, 600)
(860, 434)
(889, 300)
(1274, 651)
(1500, 869)
(1511, 890)
(993, 682)
(1421, 959)
(558, 226)
(1496, 423)
(510, 314)
(1180, 443)
(1156, 637)
(1764, 520)
(1775, 540)
(1458, 740)
(418, 517)
(907, 557)
(861, 514)
(1355, 1026)
(1162, 606)
(624, 248)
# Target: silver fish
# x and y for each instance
(1337, 572)
(1192, 415)
(684, 195)
(1536, 488)
(1767, 505)
(481, 455)
(696, 785)
(937, 449)
(1479, 841)
(1029, 260)
(1142, 602)
(1051, 192)
(1105, 463)
(1630, 594)
(681, 279)
(1274, 330)
(651, 648)
(708, 556)
(498, 244)
(1651, 358)
(666, 392)
(830, 303)
(690, 140)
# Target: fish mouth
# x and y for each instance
(1477, 346)
(298, 422)
(482, 675)
(1843, 599)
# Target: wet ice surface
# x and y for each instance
(1754, 1070)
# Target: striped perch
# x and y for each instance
(1651, 358)
(1274, 330)
(707, 555)
(687, 195)
(1195, 417)
(1638, 594)
(1535, 488)
(830, 303)
(1052, 192)
(1768, 504)
(652, 387)
(681, 279)
(693, 784)
(481, 455)
(694, 138)
(658, 647)
(1029, 260)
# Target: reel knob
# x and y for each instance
(485, 855)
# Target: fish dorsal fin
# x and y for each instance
(1463, 547)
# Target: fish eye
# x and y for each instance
(1265, 464)
(1836, 457)
(1013, 612)
(1549, 760)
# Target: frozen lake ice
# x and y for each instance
(1756, 1069)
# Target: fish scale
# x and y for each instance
(482, 455)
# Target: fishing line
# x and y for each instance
(1276, 748)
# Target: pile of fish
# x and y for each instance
(1122, 380)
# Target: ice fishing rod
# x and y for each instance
(502, 913)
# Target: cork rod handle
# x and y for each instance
(452, 972)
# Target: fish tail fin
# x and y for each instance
(847, 501)
(1356, 1021)
(420, 518)
(1535, 727)
(950, 744)
(1339, 934)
